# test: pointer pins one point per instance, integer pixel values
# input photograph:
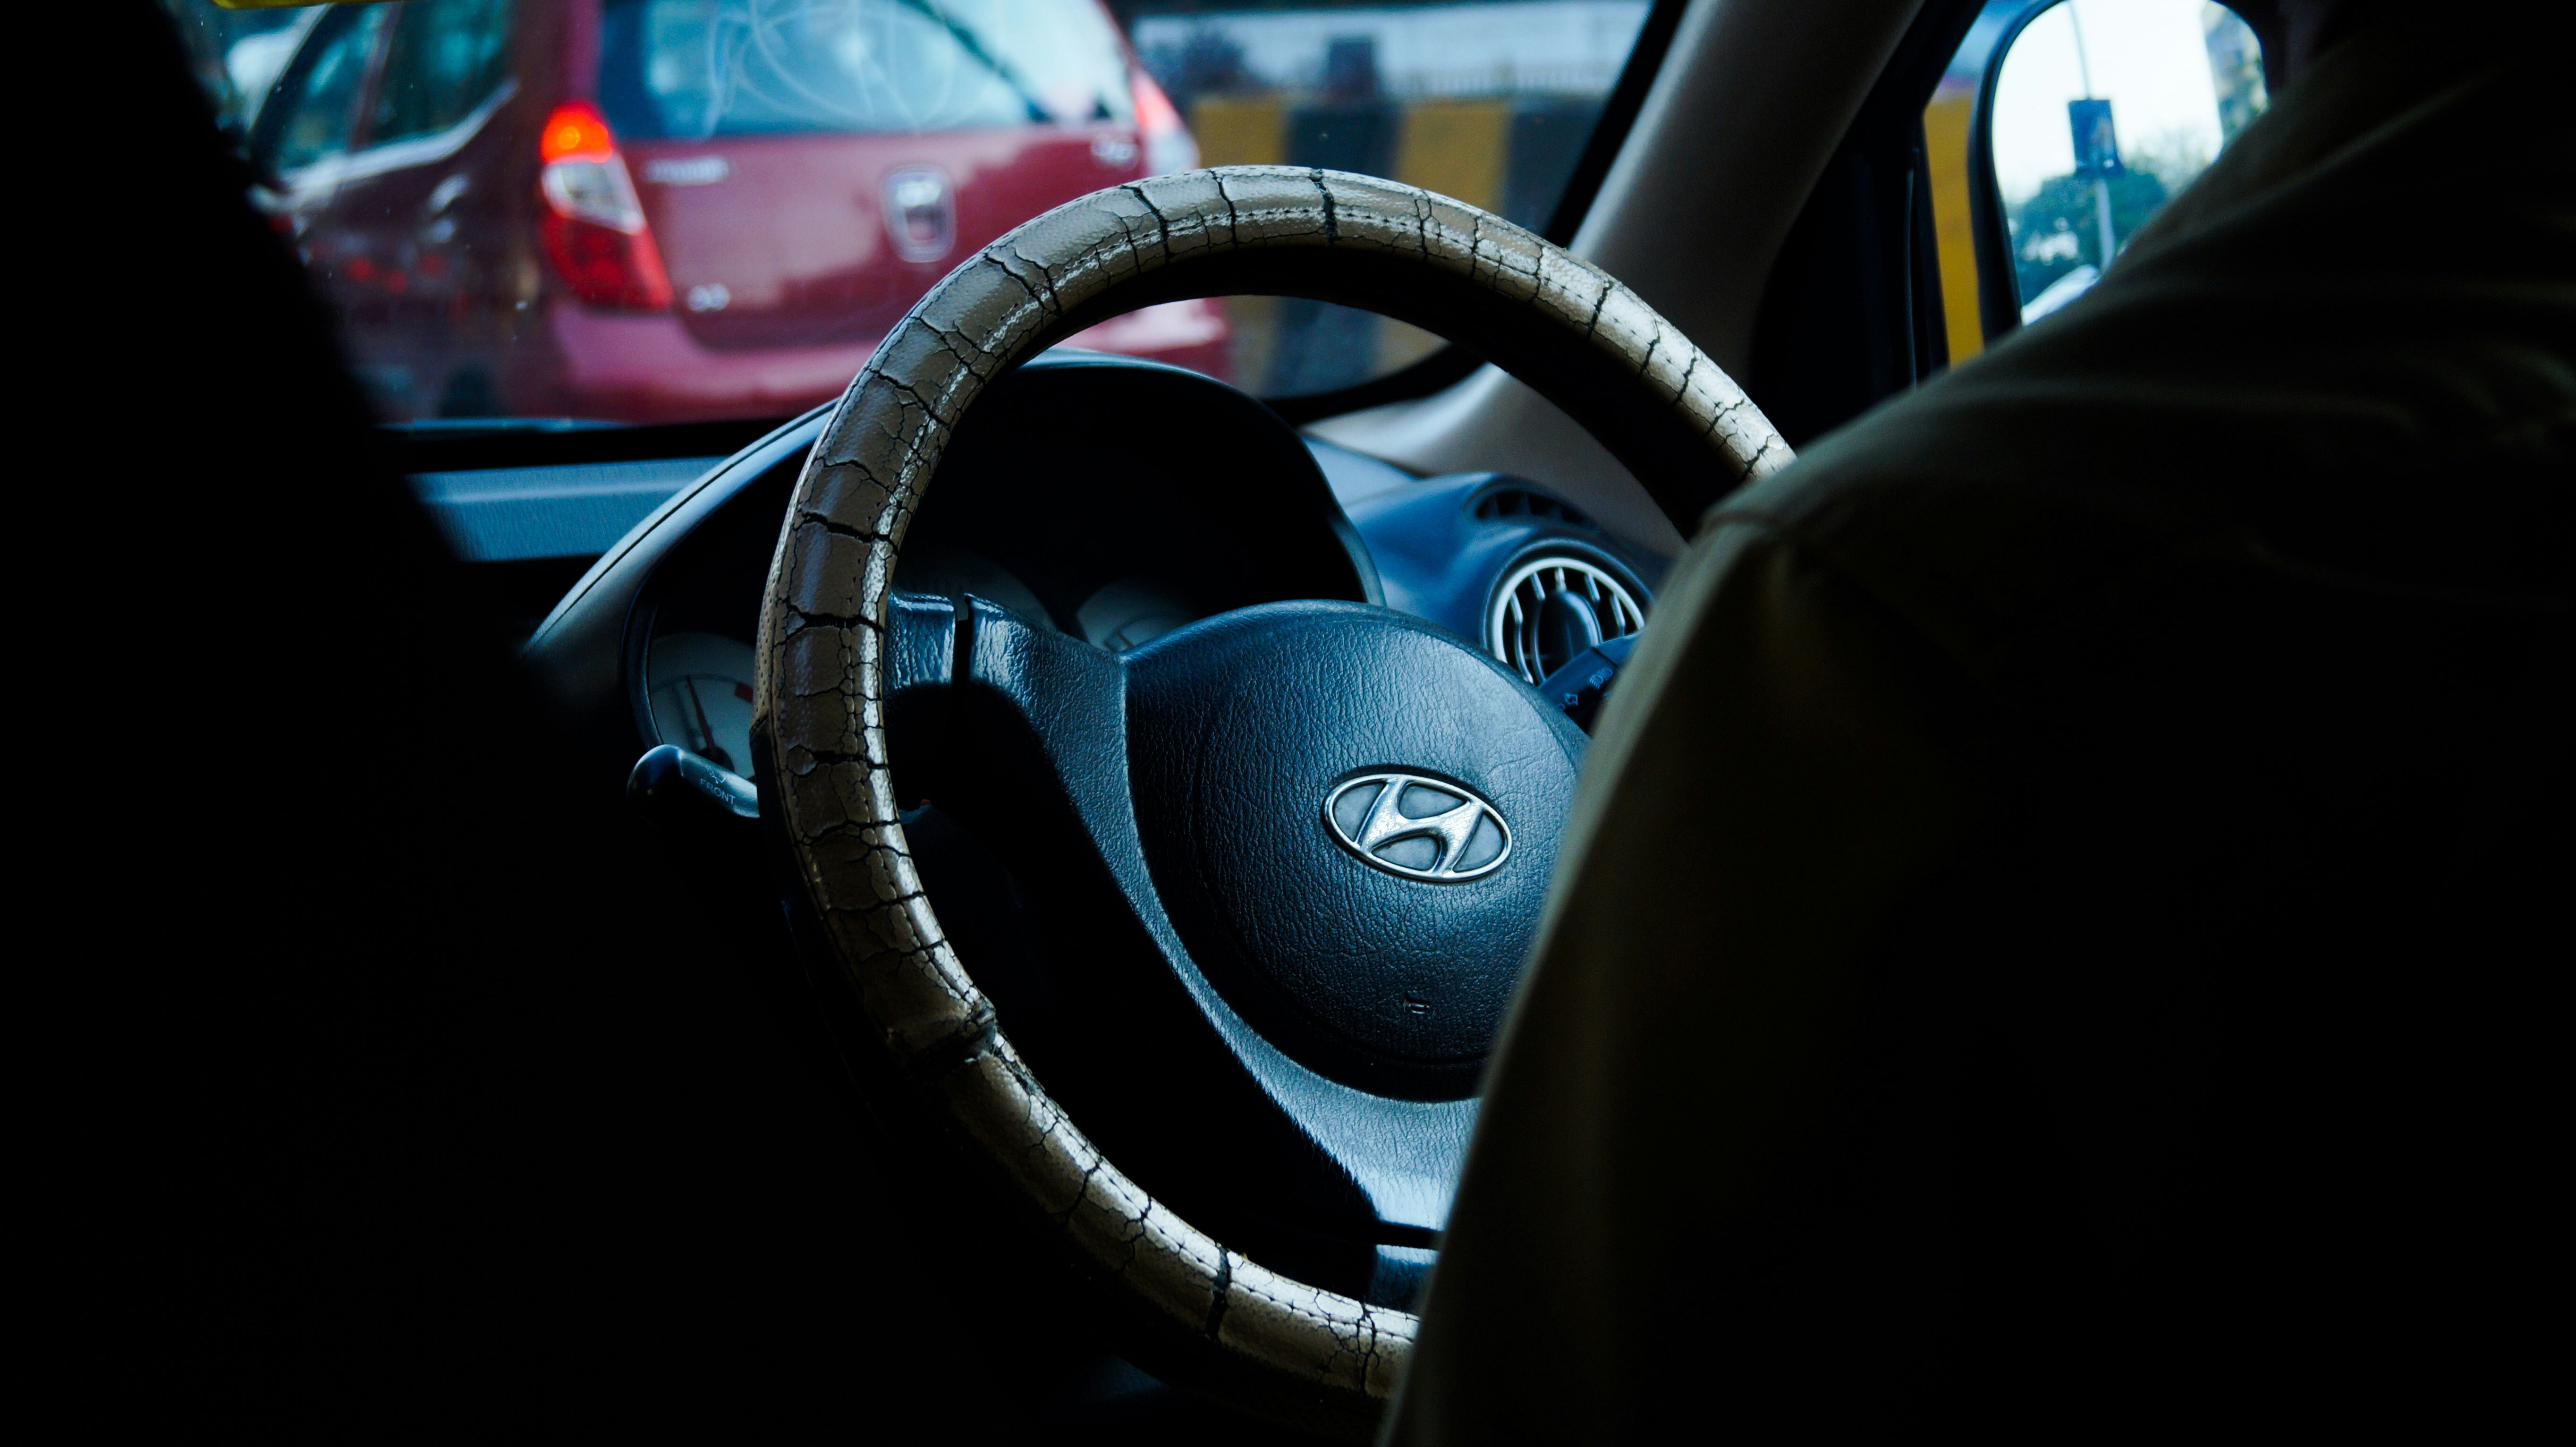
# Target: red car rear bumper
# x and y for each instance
(649, 369)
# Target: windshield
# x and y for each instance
(697, 210)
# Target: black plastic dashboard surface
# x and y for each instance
(1102, 497)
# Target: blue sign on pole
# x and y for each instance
(2097, 145)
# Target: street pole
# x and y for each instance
(2101, 186)
(2102, 216)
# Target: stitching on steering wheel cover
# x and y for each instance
(1286, 1348)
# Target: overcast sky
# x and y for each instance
(2146, 56)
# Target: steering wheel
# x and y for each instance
(1311, 839)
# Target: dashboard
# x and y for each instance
(1107, 498)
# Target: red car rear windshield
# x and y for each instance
(695, 69)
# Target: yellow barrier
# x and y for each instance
(1945, 154)
(1456, 148)
(1240, 130)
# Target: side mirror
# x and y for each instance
(2090, 116)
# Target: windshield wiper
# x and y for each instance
(974, 47)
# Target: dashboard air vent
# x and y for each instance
(1552, 607)
(1506, 502)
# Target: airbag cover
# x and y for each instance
(1380, 959)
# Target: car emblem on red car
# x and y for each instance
(920, 212)
(1416, 826)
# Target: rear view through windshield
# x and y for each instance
(696, 69)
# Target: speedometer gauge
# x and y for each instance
(698, 687)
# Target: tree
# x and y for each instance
(2056, 230)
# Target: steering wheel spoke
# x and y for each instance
(1018, 726)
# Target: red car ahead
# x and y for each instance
(663, 210)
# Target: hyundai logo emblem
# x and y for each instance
(1418, 827)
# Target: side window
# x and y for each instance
(447, 57)
(2095, 114)
(322, 98)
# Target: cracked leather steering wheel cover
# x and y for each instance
(1562, 325)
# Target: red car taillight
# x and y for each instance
(593, 226)
(1168, 146)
